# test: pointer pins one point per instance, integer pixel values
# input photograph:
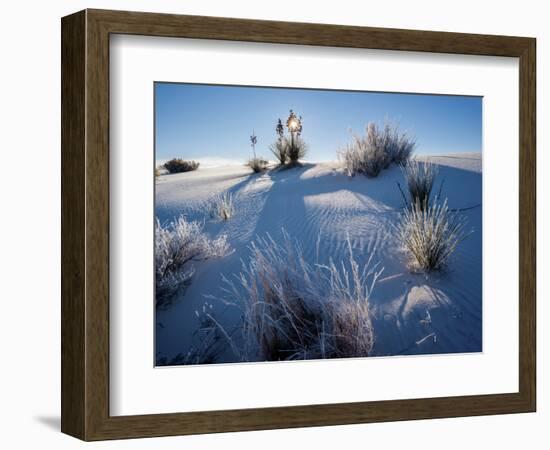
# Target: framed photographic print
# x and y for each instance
(270, 224)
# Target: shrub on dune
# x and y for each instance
(222, 207)
(420, 178)
(351, 158)
(257, 164)
(388, 139)
(289, 148)
(431, 234)
(366, 154)
(296, 149)
(403, 149)
(279, 149)
(178, 165)
(297, 310)
(376, 150)
(177, 246)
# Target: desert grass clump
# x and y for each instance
(280, 150)
(297, 310)
(351, 157)
(431, 234)
(289, 148)
(222, 207)
(376, 150)
(177, 246)
(387, 139)
(403, 149)
(257, 164)
(178, 165)
(289, 151)
(296, 150)
(397, 146)
(420, 177)
(366, 154)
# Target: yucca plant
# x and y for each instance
(253, 142)
(280, 150)
(289, 149)
(420, 177)
(431, 234)
(222, 206)
(296, 150)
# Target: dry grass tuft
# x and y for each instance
(376, 150)
(431, 234)
(420, 177)
(296, 310)
(280, 150)
(222, 206)
(177, 246)
(257, 164)
(289, 151)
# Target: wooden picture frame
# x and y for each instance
(85, 224)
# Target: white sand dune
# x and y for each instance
(413, 313)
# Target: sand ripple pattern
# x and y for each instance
(413, 313)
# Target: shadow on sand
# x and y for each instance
(412, 313)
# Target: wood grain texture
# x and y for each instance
(97, 225)
(527, 223)
(85, 224)
(73, 227)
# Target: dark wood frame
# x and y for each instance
(85, 224)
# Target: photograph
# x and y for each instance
(295, 223)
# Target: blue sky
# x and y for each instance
(195, 121)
